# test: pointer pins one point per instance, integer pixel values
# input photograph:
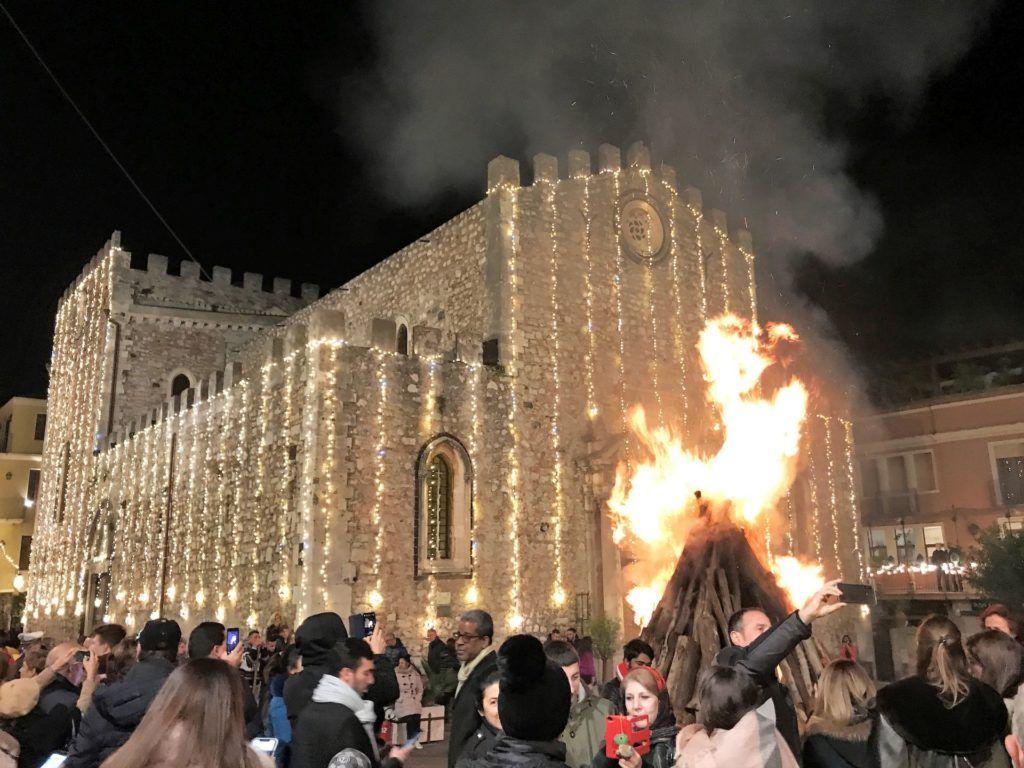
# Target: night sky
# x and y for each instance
(233, 125)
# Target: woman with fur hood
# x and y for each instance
(941, 716)
(838, 731)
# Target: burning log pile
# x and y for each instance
(717, 574)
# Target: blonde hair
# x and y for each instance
(941, 659)
(645, 677)
(846, 693)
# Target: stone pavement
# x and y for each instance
(433, 755)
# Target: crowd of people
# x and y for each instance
(328, 700)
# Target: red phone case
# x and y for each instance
(620, 730)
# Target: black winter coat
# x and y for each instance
(916, 728)
(440, 656)
(314, 638)
(116, 711)
(39, 735)
(515, 753)
(325, 729)
(760, 659)
(465, 718)
(832, 745)
(479, 744)
(663, 745)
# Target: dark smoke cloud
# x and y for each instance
(734, 94)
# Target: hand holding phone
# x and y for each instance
(233, 637)
(856, 594)
(411, 742)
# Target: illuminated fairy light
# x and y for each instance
(379, 490)
(284, 582)
(512, 415)
(702, 272)
(677, 325)
(588, 292)
(617, 284)
(852, 495)
(558, 592)
(473, 592)
(260, 502)
(237, 504)
(833, 500)
(748, 258)
(193, 454)
(789, 523)
(310, 421)
(723, 250)
(328, 467)
(812, 477)
(652, 311)
(206, 512)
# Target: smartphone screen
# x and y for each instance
(54, 760)
(857, 594)
(411, 741)
(369, 622)
(264, 744)
(233, 636)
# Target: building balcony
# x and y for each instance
(12, 508)
(930, 584)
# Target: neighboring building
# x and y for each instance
(440, 432)
(936, 472)
(22, 429)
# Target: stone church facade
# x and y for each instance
(439, 433)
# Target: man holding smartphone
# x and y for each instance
(209, 641)
(758, 648)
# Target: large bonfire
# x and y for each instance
(695, 520)
(659, 499)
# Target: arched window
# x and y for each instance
(180, 383)
(439, 509)
(444, 508)
(402, 340)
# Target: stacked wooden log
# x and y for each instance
(716, 575)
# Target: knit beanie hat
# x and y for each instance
(533, 692)
(18, 697)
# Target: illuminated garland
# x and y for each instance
(852, 495)
(558, 590)
(376, 597)
(653, 311)
(833, 499)
(617, 282)
(588, 292)
(677, 325)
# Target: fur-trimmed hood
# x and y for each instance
(913, 708)
(819, 726)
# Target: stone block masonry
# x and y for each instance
(439, 433)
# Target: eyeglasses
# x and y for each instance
(463, 636)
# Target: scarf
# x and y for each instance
(467, 669)
(331, 689)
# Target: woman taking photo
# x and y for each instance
(645, 694)
(941, 716)
(837, 733)
(195, 721)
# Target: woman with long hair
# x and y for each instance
(645, 693)
(838, 731)
(730, 732)
(941, 716)
(195, 721)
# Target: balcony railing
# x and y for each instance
(917, 582)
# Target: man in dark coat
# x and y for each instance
(315, 639)
(473, 647)
(338, 720)
(439, 656)
(635, 654)
(117, 709)
(58, 701)
(758, 648)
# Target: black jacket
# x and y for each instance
(915, 726)
(465, 718)
(833, 745)
(440, 656)
(324, 730)
(515, 753)
(612, 691)
(760, 660)
(39, 735)
(662, 753)
(479, 744)
(314, 638)
(116, 711)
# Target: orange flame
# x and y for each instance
(799, 580)
(652, 504)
